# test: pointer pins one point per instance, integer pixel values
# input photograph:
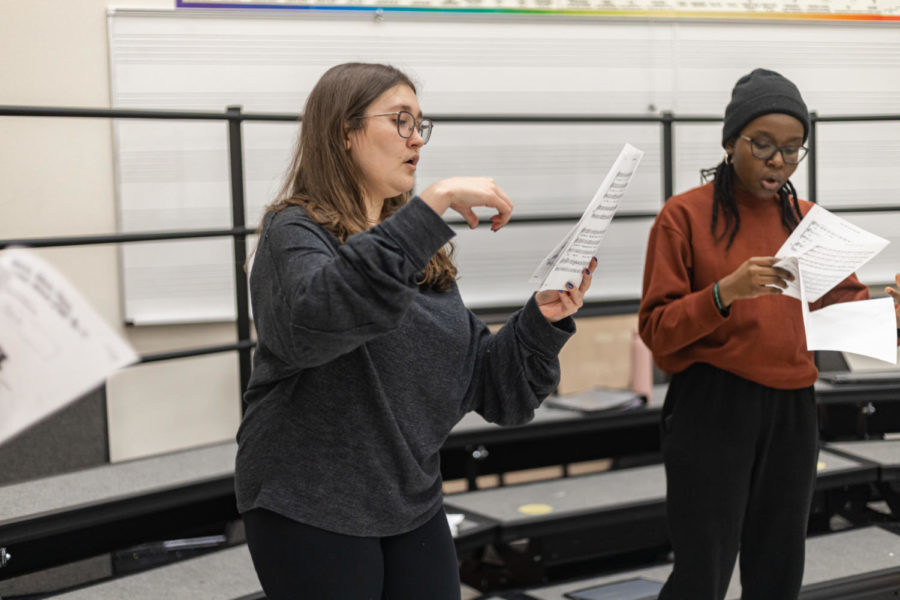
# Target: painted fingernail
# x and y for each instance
(587, 271)
(569, 285)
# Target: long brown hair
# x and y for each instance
(323, 179)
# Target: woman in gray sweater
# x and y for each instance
(367, 357)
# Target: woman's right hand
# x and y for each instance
(462, 194)
(752, 279)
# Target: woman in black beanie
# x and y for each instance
(739, 427)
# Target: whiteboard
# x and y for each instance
(175, 175)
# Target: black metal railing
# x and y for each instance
(235, 117)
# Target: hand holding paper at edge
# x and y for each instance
(821, 252)
(573, 254)
(46, 327)
(556, 305)
(757, 276)
(895, 294)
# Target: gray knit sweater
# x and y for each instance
(360, 374)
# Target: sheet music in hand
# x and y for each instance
(829, 249)
(567, 261)
(823, 250)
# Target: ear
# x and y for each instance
(346, 138)
(729, 146)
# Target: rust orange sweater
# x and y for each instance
(762, 339)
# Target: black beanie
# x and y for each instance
(762, 92)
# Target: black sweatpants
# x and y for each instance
(295, 561)
(740, 462)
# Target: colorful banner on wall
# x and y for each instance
(827, 10)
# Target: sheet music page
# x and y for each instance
(546, 266)
(53, 346)
(829, 250)
(567, 261)
(866, 327)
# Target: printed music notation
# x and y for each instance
(574, 252)
(829, 249)
(53, 346)
(821, 252)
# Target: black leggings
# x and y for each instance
(295, 561)
(741, 467)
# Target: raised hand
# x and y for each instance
(559, 304)
(752, 279)
(462, 194)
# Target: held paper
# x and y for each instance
(829, 250)
(567, 261)
(53, 346)
(866, 327)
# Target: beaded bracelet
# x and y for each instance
(717, 298)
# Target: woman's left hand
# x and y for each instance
(559, 304)
(895, 294)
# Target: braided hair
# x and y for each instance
(724, 201)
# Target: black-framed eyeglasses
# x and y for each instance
(406, 124)
(764, 150)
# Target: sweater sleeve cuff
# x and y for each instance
(541, 335)
(418, 230)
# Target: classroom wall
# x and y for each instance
(57, 180)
